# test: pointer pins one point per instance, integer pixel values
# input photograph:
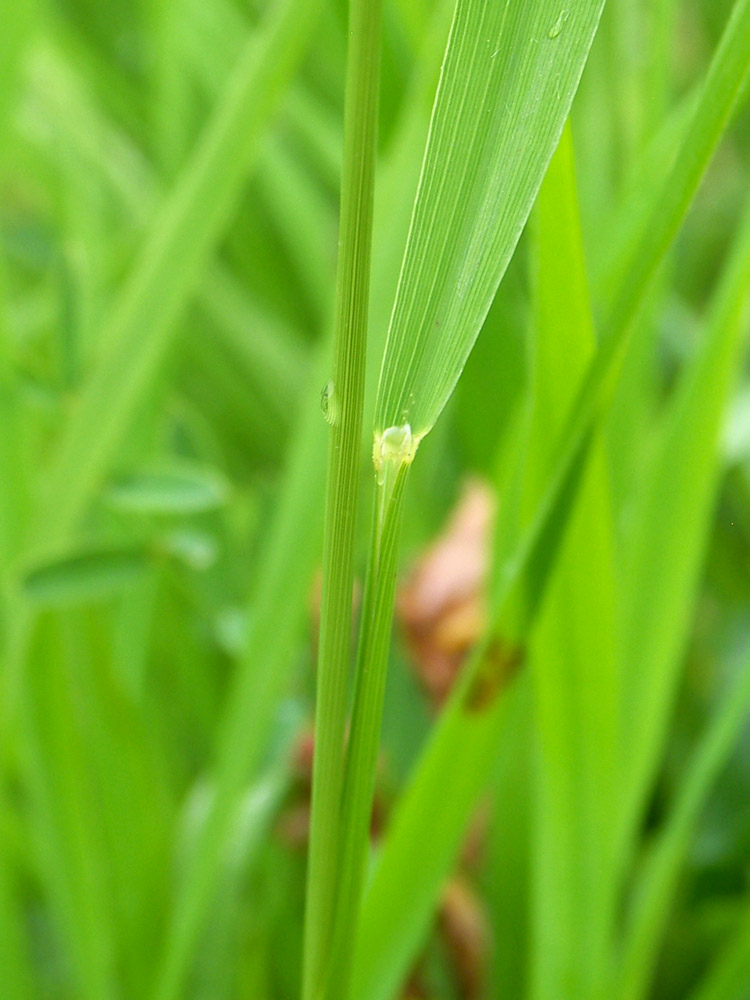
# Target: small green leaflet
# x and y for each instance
(174, 489)
(85, 576)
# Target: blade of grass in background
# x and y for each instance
(505, 882)
(169, 89)
(13, 487)
(573, 660)
(69, 845)
(658, 73)
(669, 202)
(279, 597)
(669, 535)
(655, 890)
(15, 964)
(272, 353)
(728, 977)
(13, 480)
(124, 773)
(14, 959)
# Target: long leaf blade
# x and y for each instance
(507, 83)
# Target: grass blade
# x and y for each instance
(69, 844)
(658, 883)
(670, 532)
(506, 87)
(272, 353)
(573, 661)
(261, 676)
(14, 958)
(728, 977)
(723, 87)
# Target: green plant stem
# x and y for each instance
(350, 337)
(367, 715)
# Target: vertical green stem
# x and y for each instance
(345, 413)
(364, 739)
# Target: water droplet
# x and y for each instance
(329, 403)
(556, 30)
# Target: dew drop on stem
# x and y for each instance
(329, 403)
(556, 30)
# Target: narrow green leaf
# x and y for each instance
(507, 83)
(15, 963)
(729, 975)
(273, 358)
(92, 575)
(132, 807)
(133, 619)
(14, 38)
(669, 201)
(14, 487)
(670, 526)
(170, 92)
(573, 662)
(285, 568)
(657, 885)
(658, 74)
(173, 490)
(67, 838)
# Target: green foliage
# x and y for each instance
(569, 183)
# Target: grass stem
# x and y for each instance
(345, 399)
(367, 714)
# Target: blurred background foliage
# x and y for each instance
(142, 547)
